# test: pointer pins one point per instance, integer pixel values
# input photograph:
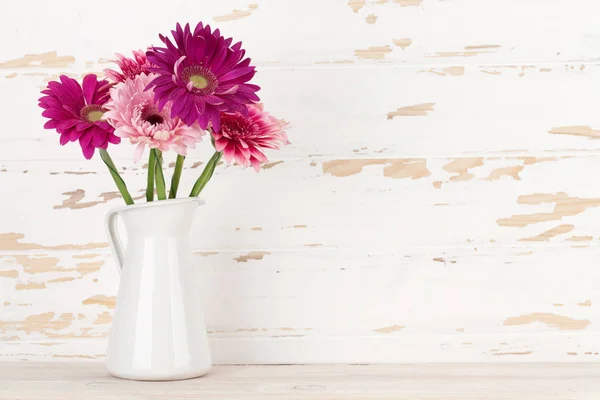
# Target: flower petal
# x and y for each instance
(64, 138)
(88, 152)
(255, 163)
(139, 151)
(89, 88)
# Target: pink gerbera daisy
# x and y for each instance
(242, 138)
(130, 67)
(202, 74)
(77, 112)
(134, 114)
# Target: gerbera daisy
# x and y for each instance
(130, 67)
(202, 74)
(77, 112)
(133, 113)
(242, 138)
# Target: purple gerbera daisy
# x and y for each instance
(202, 74)
(76, 112)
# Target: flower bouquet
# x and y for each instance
(164, 99)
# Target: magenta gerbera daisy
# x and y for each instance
(202, 74)
(130, 67)
(243, 137)
(76, 112)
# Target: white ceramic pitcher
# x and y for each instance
(158, 330)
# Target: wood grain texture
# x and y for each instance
(438, 201)
(32, 381)
(252, 302)
(414, 113)
(472, 209)
(466, 30)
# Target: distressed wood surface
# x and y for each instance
(31, 381)
(311, 32)
(438, 203)
(404, 307)
(442, 202)
(386, 111)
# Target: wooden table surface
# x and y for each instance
(65, 380)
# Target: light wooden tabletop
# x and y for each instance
(89, 381)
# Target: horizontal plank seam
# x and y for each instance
(379, 336)
(583, 154)
(388, 64)
(477, 249)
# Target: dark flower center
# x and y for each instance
(155, 119)
(151, 115)
(235, 125)
(92, 113)
(199, 79)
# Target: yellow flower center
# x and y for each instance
(199, 81)
(94, 115)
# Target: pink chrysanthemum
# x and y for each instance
(202, 75)
(134, 114)
(77, 112)
(130, 67)
(242, 138)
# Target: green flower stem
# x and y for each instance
(116, 177)
(160, 178)
(176, 176)
(151, 167)
(206, 174)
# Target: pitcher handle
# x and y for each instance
(114, 240)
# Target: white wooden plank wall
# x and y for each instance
(438, 203)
